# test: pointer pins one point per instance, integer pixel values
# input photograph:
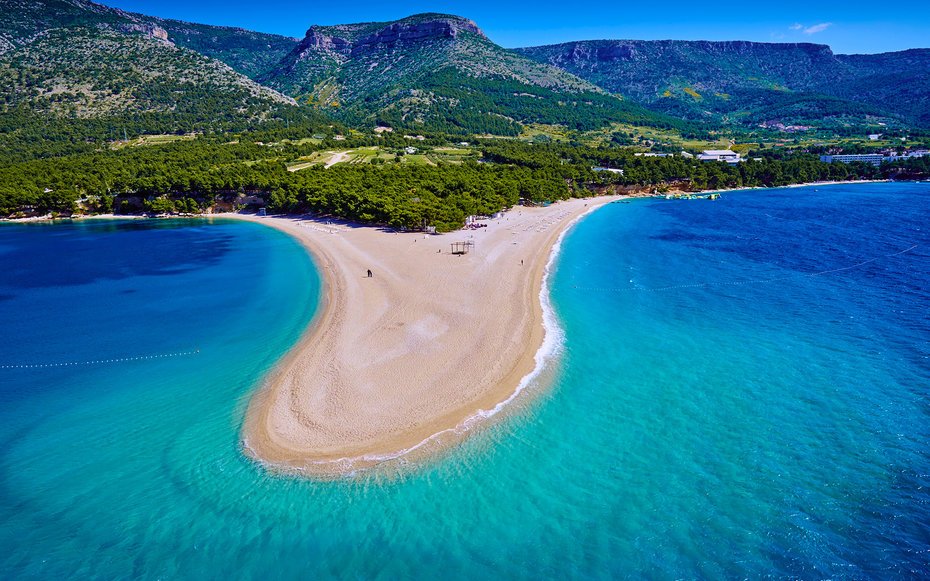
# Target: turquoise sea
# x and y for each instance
(743, 391)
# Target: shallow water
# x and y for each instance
(743, 392)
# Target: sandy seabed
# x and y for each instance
(406, 361)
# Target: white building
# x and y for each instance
(907, 155)
(873, 158)
(608, 169)
(724, 155)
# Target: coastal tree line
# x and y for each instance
(205, 173)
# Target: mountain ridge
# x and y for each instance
(25, 18)
(366, 39)
(728, 77)
(436, 70)
(90, 60)
(74, 74)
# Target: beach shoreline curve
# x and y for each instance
(321, 392)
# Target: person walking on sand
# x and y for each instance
(369, 273)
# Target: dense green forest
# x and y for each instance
(192, 176)
(26, 135)
(659, 174)
(196, 175)
(496, 98)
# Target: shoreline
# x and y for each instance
(792, 186)
(261, 446)
(268, 433)
(111, 216)
(283, 433)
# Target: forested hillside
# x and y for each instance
(87, 72)
(77, 60)
(74, 74)
(439, 72)
(750, 81)
(250, 53)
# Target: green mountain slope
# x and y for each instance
(79, 59)
(88, 72)
(899, 82)
(250, 53)
(73, 73)
(750, 81)
(441, 72)
(104, 69)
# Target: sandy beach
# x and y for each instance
(407, 359)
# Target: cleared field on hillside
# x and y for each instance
(378, 155)
(152, 140)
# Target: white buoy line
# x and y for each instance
(101, 361)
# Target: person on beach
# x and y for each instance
(369, 273)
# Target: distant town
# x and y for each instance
(732, 157)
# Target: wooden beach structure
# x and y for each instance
(462, 247)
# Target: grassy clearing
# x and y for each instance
(536, 131)
(417, 159)
(648, 136)
(152, 140)
(642, 136)
(297, 166)
(303, 141)
(451, 155)
(452, 151)
(375, 154)
(315, 158)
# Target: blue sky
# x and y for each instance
(854, 26)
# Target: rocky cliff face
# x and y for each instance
(584, 53)
(144, 28)
(794, 81)
(644, 70)
(316, 39)
(355, 40)
(430, 29)
(430, 70)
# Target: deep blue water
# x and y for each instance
(743, 392)
(765, 372)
